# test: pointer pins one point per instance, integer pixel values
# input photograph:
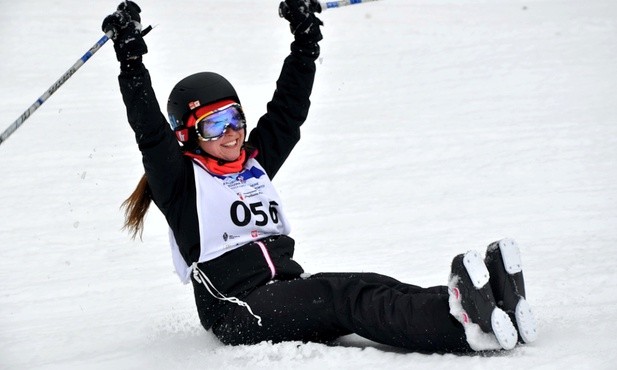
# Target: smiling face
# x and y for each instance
(227, 148)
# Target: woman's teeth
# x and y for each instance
(230, 144)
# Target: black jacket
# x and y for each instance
(171, 177)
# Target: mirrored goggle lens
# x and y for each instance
(212, 125)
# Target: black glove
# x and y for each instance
(126, 27)
(303, 23)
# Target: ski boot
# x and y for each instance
(487, 327)
(503, 260)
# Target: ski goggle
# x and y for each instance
(212, 125)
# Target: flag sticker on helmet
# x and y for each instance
(194, 104)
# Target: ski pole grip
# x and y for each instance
(146, 31)
(314, 7)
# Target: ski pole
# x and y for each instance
(337, 4)
(19, 121)
(318, 6)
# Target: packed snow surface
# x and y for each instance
(436, 126)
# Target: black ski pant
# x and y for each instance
(326, 306)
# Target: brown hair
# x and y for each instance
(135, 208)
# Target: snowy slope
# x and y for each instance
(437, 126)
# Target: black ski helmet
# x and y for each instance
(192, 92)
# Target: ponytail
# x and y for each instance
(135, 208)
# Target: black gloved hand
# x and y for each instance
(303, 23)
(126, 27)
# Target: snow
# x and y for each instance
(437, 126)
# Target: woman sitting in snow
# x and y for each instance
(229, 233)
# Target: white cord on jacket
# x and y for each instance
(201, 277)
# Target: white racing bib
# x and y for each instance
(233, 210)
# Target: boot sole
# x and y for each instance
(476, 269)
(525, 320)
(504, 330)
(501, 325)
(511, 256)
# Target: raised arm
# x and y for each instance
(162, 157)
(278, 130)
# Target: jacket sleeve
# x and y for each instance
(161, 154)
(278, 130)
